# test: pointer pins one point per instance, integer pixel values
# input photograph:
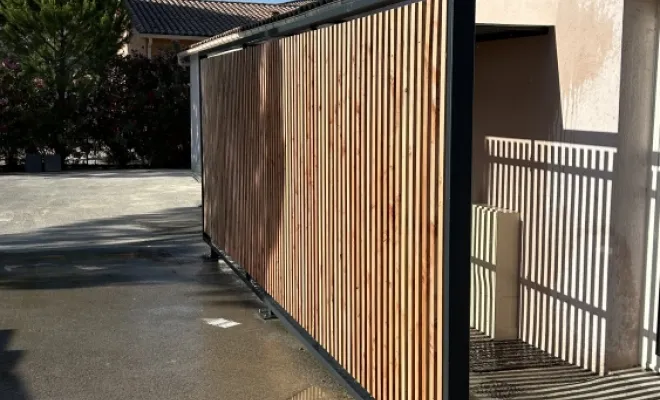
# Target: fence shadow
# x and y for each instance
(132, 249)
(649, 346)
(243, 149)
(560, 182)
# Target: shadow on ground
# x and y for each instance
(11, 387)
(143, 249)
(134, 249)
(107, 174)
(177, 226)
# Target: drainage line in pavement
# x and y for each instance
(341, 375)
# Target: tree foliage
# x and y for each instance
(22, 100)
(66, 44)
(138, 111)
(141, 109)
(63, 42)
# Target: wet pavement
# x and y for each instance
(104, 295)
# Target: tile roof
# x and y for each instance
(302, 6)
(200, 17)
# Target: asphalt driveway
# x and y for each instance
(104, 295)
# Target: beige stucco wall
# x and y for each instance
(520, 12)
(588, 36)
(136, 43)
(568, 120)
(140, 44)
(160, 45)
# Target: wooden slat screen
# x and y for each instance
(323, 164)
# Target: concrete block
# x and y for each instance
(495, 269)
(33, 163)
(53, 163)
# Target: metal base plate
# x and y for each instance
(266, 314)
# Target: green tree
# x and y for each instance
(67, 44)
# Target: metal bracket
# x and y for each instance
(213, 257)
(266, 314)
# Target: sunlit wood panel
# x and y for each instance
(323, 173)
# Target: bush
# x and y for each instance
(22, 102)
(139, 111)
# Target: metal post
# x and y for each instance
(460, 31)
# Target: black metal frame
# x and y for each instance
(459, 94)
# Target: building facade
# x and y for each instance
(566, 134)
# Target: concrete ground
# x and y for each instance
(104, 295)
(508, 370)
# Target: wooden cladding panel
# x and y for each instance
(323, 157)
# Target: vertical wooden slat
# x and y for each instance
(378, 181)
(425, 205)
(406, 149)
(288, 106)
(304, 290)
(302, 146)
(368, 208)
(333, 298)
(410, 172)
(341, 189)
(327, 236)
(348, 120)
(391, 113)
(363, 78)
(282, 107)
(398, 215)
(299, 209)
(311, 168)
(314, 217)
(371, 225)
(349, 151)
(416, 204)
(437, 105)
(325, 187)
(350, 201)
(263, 160)
(383, 217)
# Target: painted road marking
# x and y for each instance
(83, 268)
(220, 322)
(10, 268)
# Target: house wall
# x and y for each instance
(137, 44)
(519, 12)
(562, 135)
(161, 45)
(140, 44)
